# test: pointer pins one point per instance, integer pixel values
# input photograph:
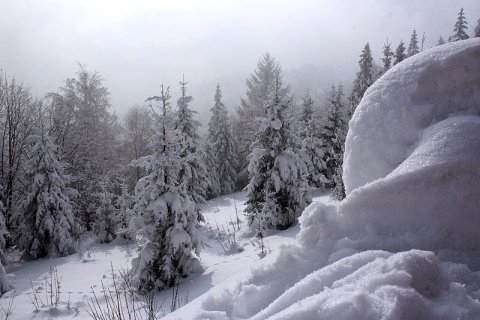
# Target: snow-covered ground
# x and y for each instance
(404, 244)
(79, 274)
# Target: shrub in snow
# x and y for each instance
(166, 213)
(46, 221)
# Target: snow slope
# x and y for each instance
(403, 244)
(82, 274)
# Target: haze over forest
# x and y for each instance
(137, 46)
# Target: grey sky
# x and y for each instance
(138, 45)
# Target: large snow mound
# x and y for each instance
(404, 244)
(415, 94)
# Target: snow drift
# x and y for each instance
(402, 245)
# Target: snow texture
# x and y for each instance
(402, 245)
(389, 122)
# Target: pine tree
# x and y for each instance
(477, 29)
(47, 225)
(104, 225)
(164, 209)
(278, 190)
(413, 45)
(400, 53)
(260, 87)
(123, 212)
(312, 148)
(365, 78)
(459, 28)
(333, 134)
(440, 41)
(387, 56)
(193, 172)
(224, 148)
(212, 171)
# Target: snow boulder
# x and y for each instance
(389, 122)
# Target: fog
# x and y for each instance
(138, 45)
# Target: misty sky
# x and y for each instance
(138, 45)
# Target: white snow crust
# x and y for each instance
(404, 243)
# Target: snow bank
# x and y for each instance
(415, 94)
(402, 245)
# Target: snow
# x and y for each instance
(413, 95)
(404, 243)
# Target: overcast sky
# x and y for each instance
(138, 45)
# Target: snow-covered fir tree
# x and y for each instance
(413, 45)
(387, 56)
(334, 133)
(365, 78)
(212, 174)
(165, 213)
(312, 148)
(47, 224)
(223, 144)
(459, 28)
(104, 225)
(193, 173)
(400, 53)
(278, 190)
(260, 86)
(123, 210)
(440, 41)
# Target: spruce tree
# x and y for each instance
(413, 45)
(193, 173)
(440, 41)
(387, 56)
(104, 226)
(477, 29)
(365, 78)
(47, 224)
(278, 190)
(399, 53)
(165, 210)
(459, 28)
(212, 171)
(312, 147)
(223, 144)
(333, 134)
(123, 210)
(260, 87)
